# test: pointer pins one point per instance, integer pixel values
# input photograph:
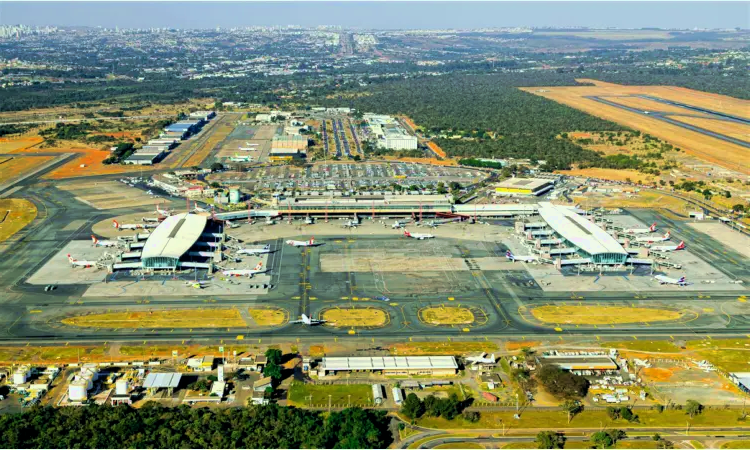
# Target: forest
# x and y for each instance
(474, 105)
(155, 426)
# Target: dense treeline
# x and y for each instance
(477, 105)
(155, 426)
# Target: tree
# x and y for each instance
(562, 384)
(217, 166)
(549, 439)
(471, 416)
(413, 407)
(606, 439)
(727, 194)
(613, 413)
(627, 414)
(738, 208)
(693, 408)
(571, 407)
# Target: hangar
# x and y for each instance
(171, 240)
(391, 365)
(523, 186)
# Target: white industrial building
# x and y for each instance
(388, 133)
(390, 365)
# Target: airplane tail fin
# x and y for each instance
(652, 227)
(666, 235)
(311, 241)
(259, 266)
(681, 245)
(70, 258)
(115, 224)
(94, 239)
(509, 254)
(681, 280)
(406, 233)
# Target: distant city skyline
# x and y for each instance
(380, 15)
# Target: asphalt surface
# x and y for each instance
(663, 116)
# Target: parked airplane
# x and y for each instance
(241, 158)
(482, 359)
(270, 221)
(650, 229)
(151, 219)
(131, 226)
(308, 320)
(668, 248)
(527, 258)
(350, 224)
(230, 224)
(247, 149)
(663, 279)
(309, 243)
(254, 251)
(251, 145)
(197, 208)
(419, 236)
(245, 272)
(653, 238)
(309, 220)
(199, 284)
(383, 298)
(163, 212)
(398, 225)
(77, 263)
(98, 243)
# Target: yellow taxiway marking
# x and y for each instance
(451, 299)
(352, 331)
(355, 298)
(344, 298)
(466, 330)
(708, 310)
(35, 311)
(240, 337)
(558, 329)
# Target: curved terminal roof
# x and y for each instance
(174, 236)
(579, 231)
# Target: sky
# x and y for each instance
(379, 14)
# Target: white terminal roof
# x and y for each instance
(389, 362)
(174, 236)
(162, 380)
(578, 231)
(743, 378)
(524, 183)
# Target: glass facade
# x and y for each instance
(160, 262)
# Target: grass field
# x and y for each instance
(418, 443)
(611, 174)
(442, 348)
(736, 444)
(22, 212)
(17, 166)
(642, 199)
(267, 316)
(355, 317)
(299, 394)
(19, 144)
(643, 346)
(733, 129)
(710, 149)
(451, 315)
(555, 419)
(16, 355)
(176, 318)
(602, 315)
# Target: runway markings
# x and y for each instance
(35, 311)
(558, 329)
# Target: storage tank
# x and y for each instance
(234, 195)
(19, 376)
(77, 391)
(121, 387)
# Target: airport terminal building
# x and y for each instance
(176, 244)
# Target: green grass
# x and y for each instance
(643, 346)
(550, 419)
(361, 394)
(460, 445)
(586, 444)
(735, 444)
(419, 442)
(729, 360)
(697, 444)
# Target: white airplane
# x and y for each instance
(98, 243)
(149, 193)
(245, 272)
(509, 254)
(254, 251)
(308, 320)
(129, 226)
(653, 238)
(309, 220)
(668, 248)
(77, 263)
(197, 208)
(251, 144)
(247, 149)
(270, 221)
(241, 158)
(199, 284)
(663, 279)
(650, 229)
(150, 219)
(350, 224)
(419, 236)
(309, 243)
(398, 225)
(482, 359)
(163, 212)
(230, 224)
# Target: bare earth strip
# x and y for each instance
(648, 105)
(722, 233)
(602, 315)
(355, 317)
(450, 315)
(710, 149)
(181, 318)
(22, 212)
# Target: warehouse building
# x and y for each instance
(390, 365)
(169, 246)
(389, 133)
(577, 363)
(289, 142)
(523, 186)
(204, 116)
(742, 380)
(146, 158)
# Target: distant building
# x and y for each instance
(523, 186)
(391, 365)
(286, 154)
(262, 384)
(574, 363)
(289, 142)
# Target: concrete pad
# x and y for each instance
(58, 270)
(73, 225)
(180, 286)
(724, 234)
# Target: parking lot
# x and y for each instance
(350, 177)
